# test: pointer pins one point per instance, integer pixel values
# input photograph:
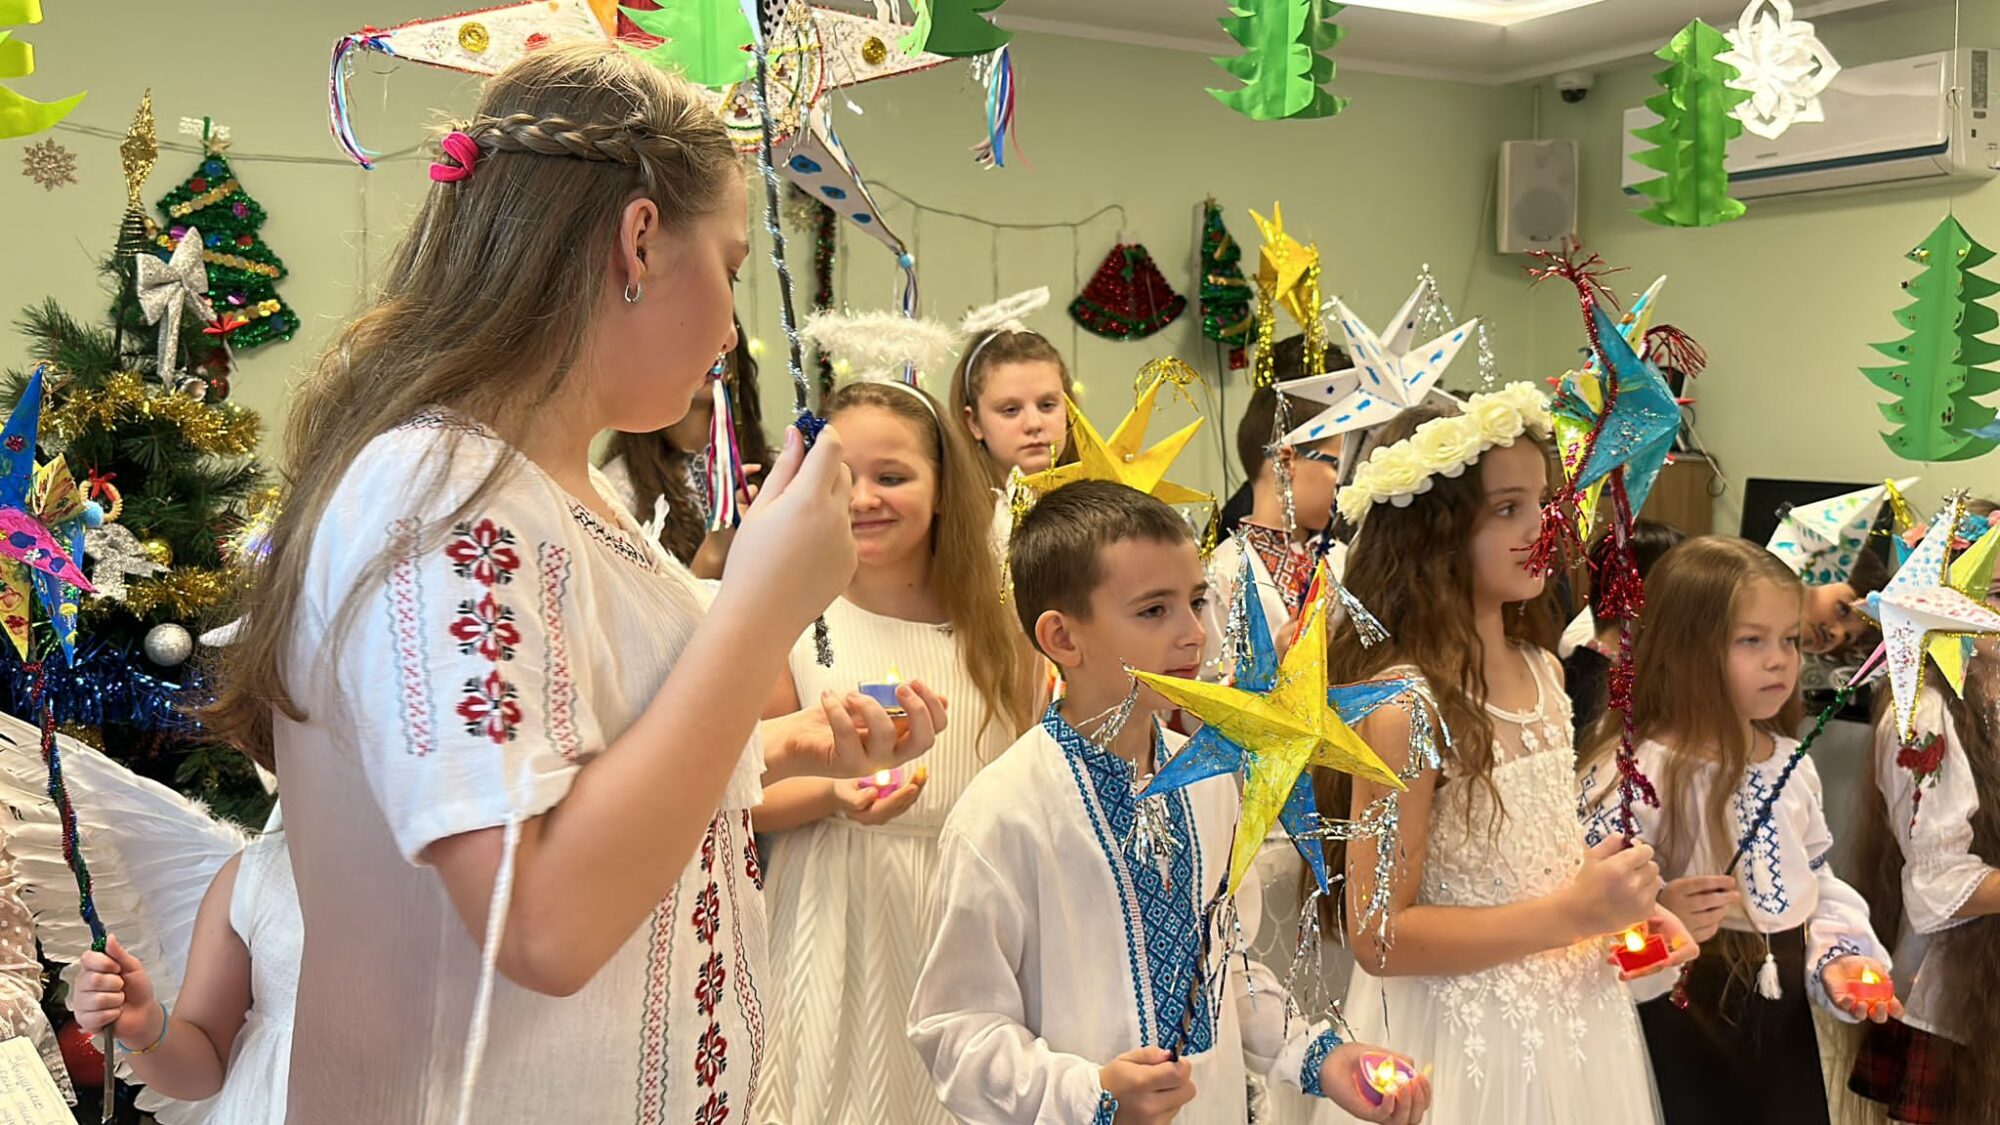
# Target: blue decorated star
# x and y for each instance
(1644, 421)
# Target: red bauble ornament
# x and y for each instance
(245, 241)
(81, 1056)
(218, 388)
(1128, 298)
(198, 184)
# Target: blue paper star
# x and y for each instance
(1644, 421)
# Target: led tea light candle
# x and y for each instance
(884, 693)
(1384, 1076)
(1640, 948)
(886, 782)
(1871, 987)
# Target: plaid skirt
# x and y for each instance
(1903, 1068)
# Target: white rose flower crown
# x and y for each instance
(1397, 474)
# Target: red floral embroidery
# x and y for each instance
(708, 984)
(752, 866)
(715, 1111)
(708, 849)
(486, 627)
(489, 708)
(708, 913)
(1923, 758)
(711, 1055)
(483, 552)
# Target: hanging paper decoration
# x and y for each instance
(1128, 298)
(705, 41)
(1690, 140)
(1388, 377)
(242, 271)
(1123, 459)
(1919, 605)
(1939, 369)
(959, 28)
(20, 116)
(1226, 295)
(1822, 541)
(1782, 65)
(1283, 65)
(1281, 719)
(1581, 396)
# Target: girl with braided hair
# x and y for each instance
(519, 742)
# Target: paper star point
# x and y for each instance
(1920, 606)
(1388, 377)
(1285, 265)
(1124, 458)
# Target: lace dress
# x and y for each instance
(1551, 1039)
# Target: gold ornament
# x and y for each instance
(874, 51)
(158, 551)
(220, 430)
(185, 593)
(473, 37)
(138, 151)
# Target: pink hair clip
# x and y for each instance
(460, 148)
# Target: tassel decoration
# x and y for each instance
(1767, 976)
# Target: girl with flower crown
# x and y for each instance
(1493, 959)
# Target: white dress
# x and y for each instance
(1940, 871)
(479, 674)
(21, 978)
(1553, 1038)
(264, 912)
(850, 904)
(1056, 949)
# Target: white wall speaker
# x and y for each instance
(1537, 207)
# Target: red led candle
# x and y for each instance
(1871, 987)
(1640, 948)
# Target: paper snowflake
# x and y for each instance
(49, 164)
(1782, 63)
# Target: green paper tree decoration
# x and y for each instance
(705, 41)
(243, 273)
(1283, 65)
(957, 29)
(1226, 295)
(1693, 133)
(1939, 370)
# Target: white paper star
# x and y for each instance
(1388, 378)
(1783, 65)
(1919, 604)
(1821, 541)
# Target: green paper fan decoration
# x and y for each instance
(1692, 136)
(956, 29)
(1940, 367)
(1283, 65)
(706, 41)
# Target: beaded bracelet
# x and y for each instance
(166, 1018)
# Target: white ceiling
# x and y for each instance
(1394, 42)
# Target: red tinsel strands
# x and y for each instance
(1633, 784)
(1671, 349)
(1561, 534)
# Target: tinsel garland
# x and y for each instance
(826, 232)
(217, 430)
(105, 686)
(182, 593)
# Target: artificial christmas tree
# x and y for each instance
(1939, 370)
(1696, 106)
(1128, 298)
(1226, 295)
(242, 271)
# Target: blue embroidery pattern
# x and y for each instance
(1841, 948)
(1767, 893)
(1164, 907)
(1316, 1054)
(1107, 1109)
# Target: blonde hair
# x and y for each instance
(964, 573)
(994, 349)
(485, 308)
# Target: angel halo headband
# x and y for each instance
(987, 322)
(1397, 474)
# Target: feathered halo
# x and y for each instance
(1006, 314)
(882, 346)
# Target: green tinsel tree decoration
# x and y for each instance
(243, 273)
(1939, 370)
(705, 41)
(1692, 136)
(1283, 65)
(1227, 296)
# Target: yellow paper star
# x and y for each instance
(1121, 459)
(1971, 575)
(1285, 265)
(1288, 729)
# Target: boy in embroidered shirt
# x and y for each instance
(1064, 981)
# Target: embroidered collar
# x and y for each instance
(1289, 565)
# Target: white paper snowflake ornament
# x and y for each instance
(1782, 63)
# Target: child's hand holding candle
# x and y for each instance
(1660, 942)
(884, 693)
(1860, 986)
(1374, 1084)
(880, 797)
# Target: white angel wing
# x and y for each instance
(151, 852)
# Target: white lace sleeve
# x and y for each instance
(1935, 832)
(21, 977)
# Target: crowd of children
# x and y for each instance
(585, 825)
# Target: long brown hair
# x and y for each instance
(658, 467)
(982, 355)
(485, 308)
(1680, 689)
(964, 573)
(1971, 948)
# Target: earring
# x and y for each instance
(633, 291)
(721, 365)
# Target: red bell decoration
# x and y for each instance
(81, 1056)
(1128, 298)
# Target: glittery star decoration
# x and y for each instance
(1821, 541)
(1639, 433)
(49, 164)
(1122, 459)
(1573, 418)
(166, 288)
(116, 554)
(1971, 574)
(1783, 65)
(1282, 725)
(1285, 266)
(1920, 605)
(1389, 376)
(41, 529)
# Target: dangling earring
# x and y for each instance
(721, 364)
(633, 291)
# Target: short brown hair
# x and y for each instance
(1056, 555)
(1256, 430)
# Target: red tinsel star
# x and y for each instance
(230, 322)
(98, 484)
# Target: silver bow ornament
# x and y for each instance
(166, 289)
(117, 553)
